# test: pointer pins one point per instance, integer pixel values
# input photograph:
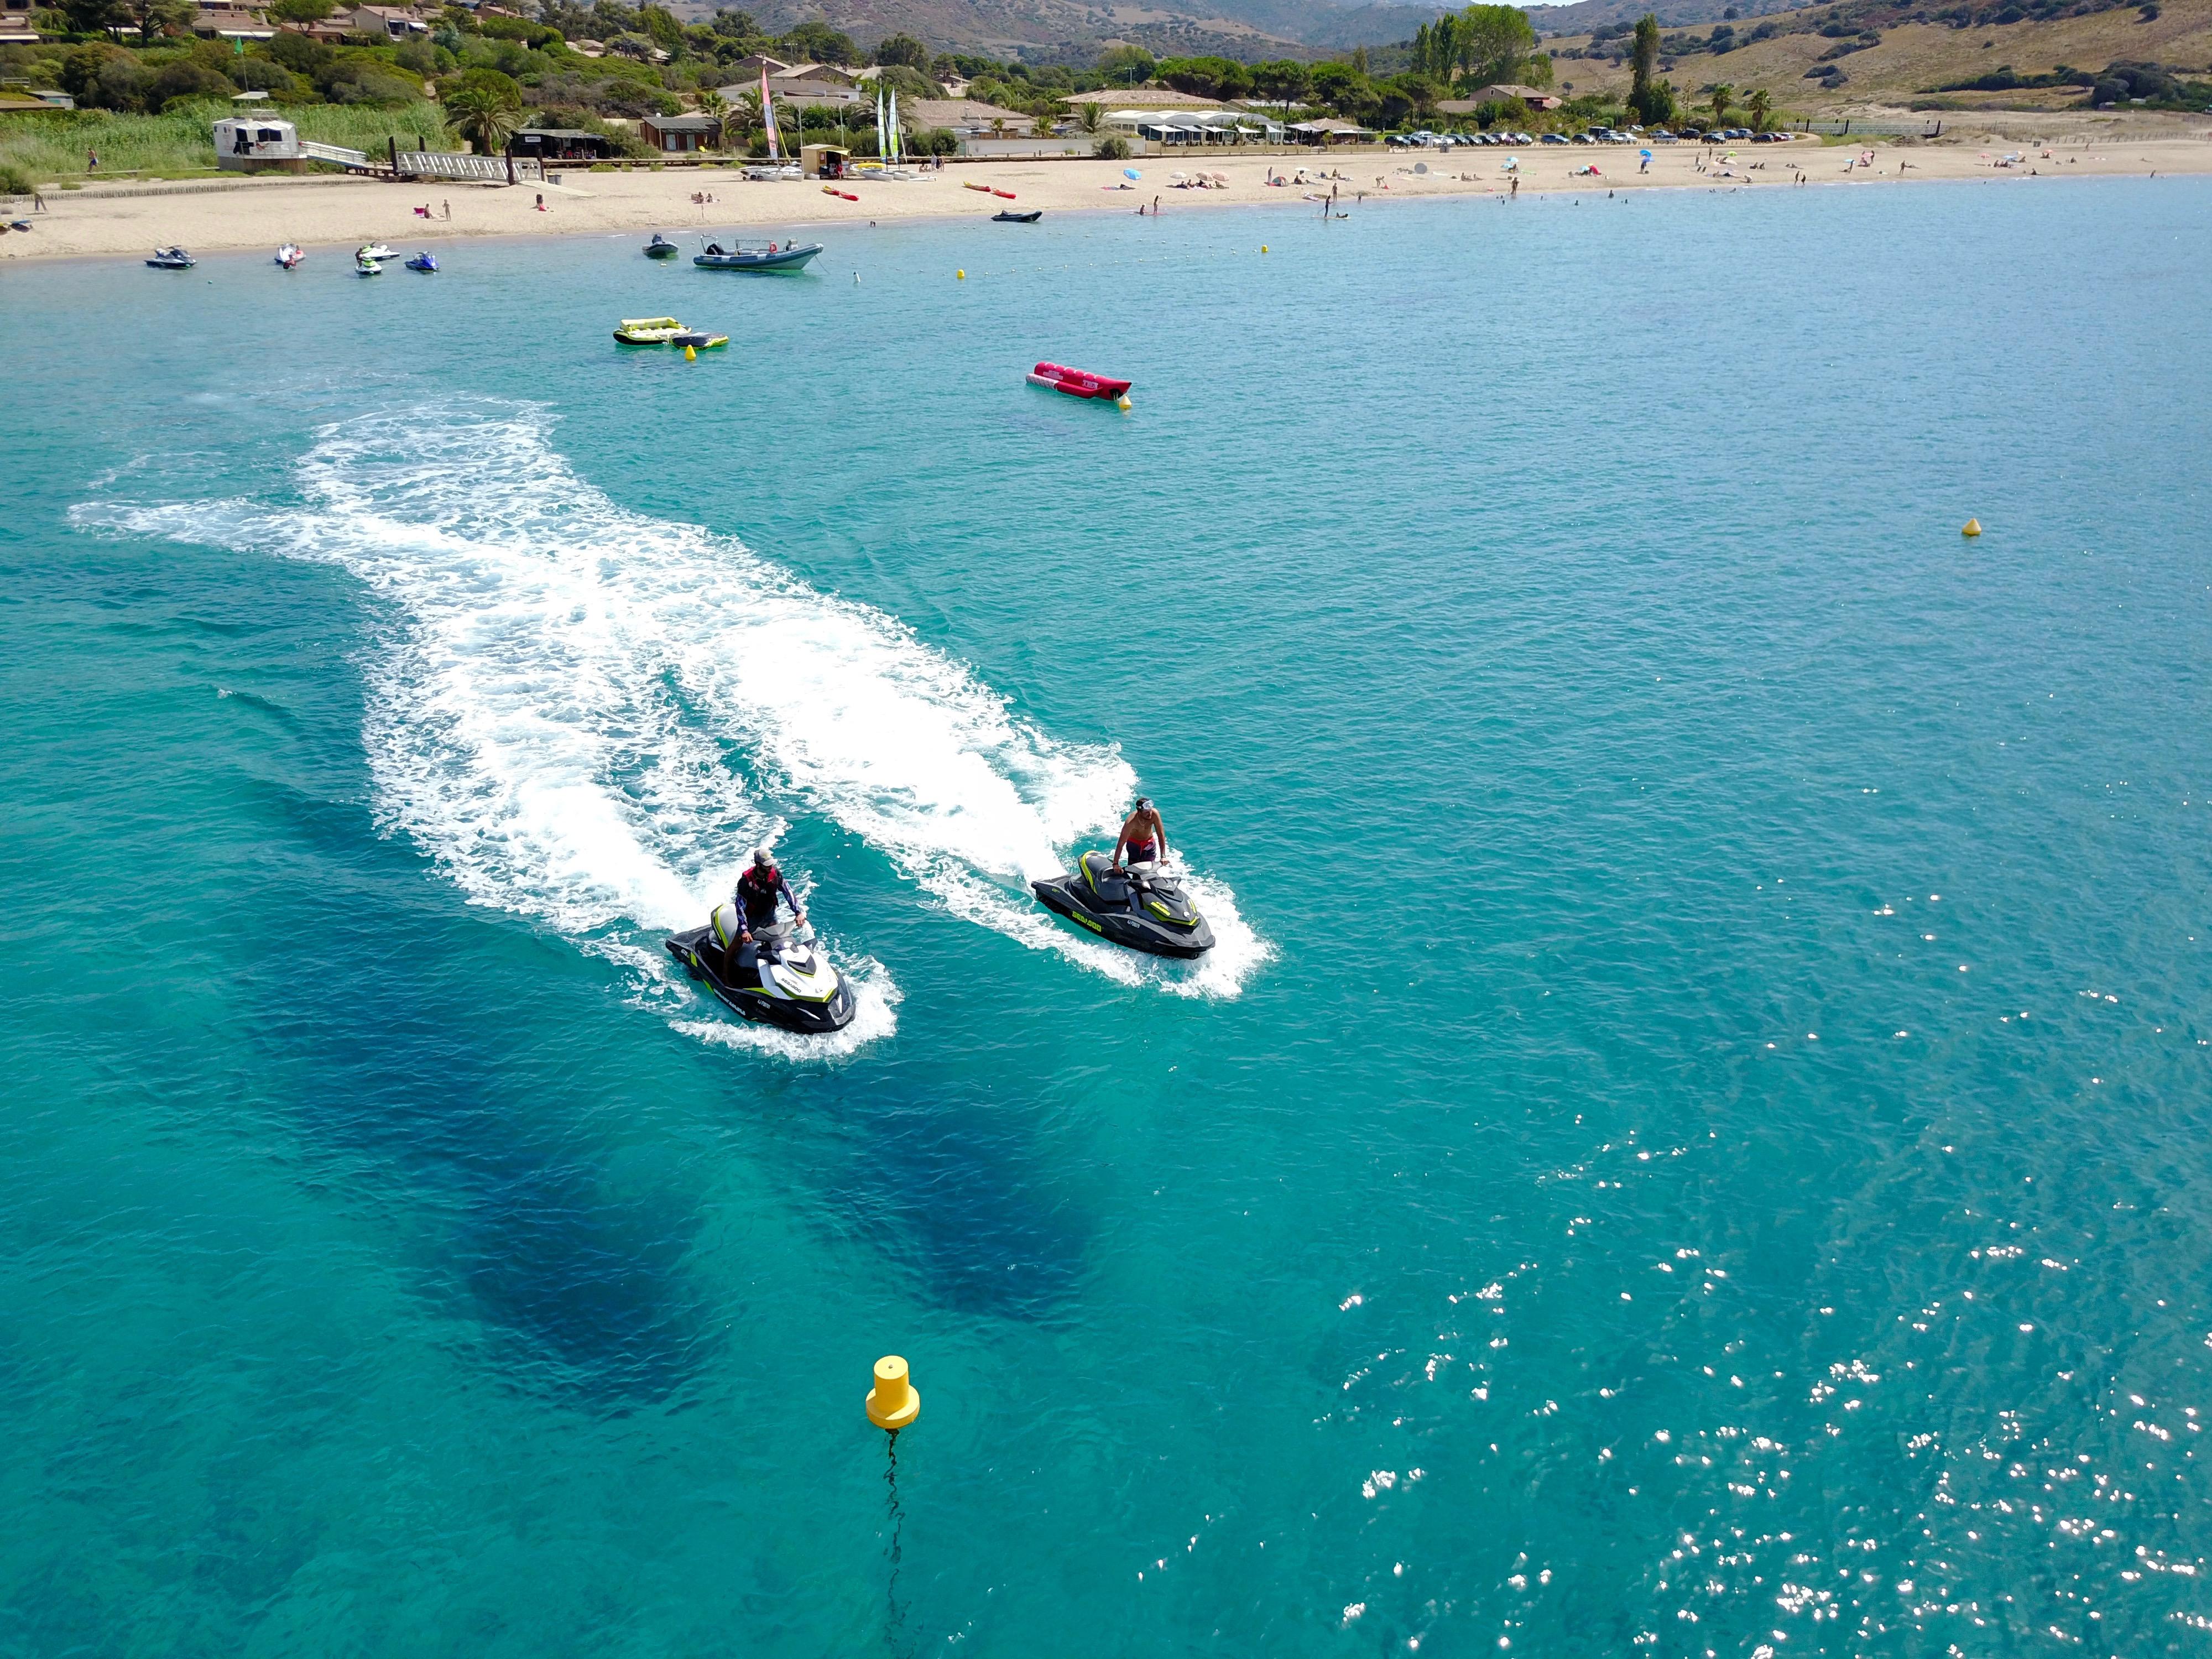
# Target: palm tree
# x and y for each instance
(716, 108)
(484, 107)
(1722, 96)
(1091, 115)
(1761, 105)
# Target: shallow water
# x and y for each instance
(1694, 1139)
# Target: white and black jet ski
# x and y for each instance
(783, 977)
(1139, 906)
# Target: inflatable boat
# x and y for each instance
(1076, 383)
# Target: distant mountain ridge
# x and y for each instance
(1075, 30)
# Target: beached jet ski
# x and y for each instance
(783, 977)
(1138, 906)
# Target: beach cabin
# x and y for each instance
(562, 144)
(823, 160)
(680, 135)
(257, 144)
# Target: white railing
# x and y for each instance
(447, 164)
(337, 155)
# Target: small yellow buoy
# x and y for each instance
(1121, 402)
(1971, 527)
(961, 274)
(894, 1402)
(690, 355)
(1263, 247)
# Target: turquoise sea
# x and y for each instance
(1694, 1141)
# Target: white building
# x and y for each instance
(246, 143)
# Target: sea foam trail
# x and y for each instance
(559, 688)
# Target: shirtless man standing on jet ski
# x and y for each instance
(1144, 834)
(757, 891)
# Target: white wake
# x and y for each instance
(591, 716)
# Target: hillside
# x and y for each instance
(1875, 59)
(1076, 29)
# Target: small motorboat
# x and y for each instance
(367, 268)
(376, 250)
(660, 248)
(423, 261)
(787, 256)
(289, 256)
(1138, 906)
(1076, 383)
(1005, 217)
(172, 258)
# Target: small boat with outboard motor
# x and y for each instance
(782, 978)
(1010, 218)
(289, 256)
(661, 248)
(772, 256)
(172, 258)
(666, 331)
(1139, 905)
(423, 261)
(1079, 383)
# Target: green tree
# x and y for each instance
(818, 42)
(903, 49)
(1125, 65)
(91, 16)
(1343, 86)
(1091, 115)
(1652, 99)
(158, 17)
(300, 11)
(1760, 104)
(1284, 79)
(484, 106)
(661, 24)
(1720, 101)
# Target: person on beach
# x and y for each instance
(448, 206)
(1142, 834)
(91, 160)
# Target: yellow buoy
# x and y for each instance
(961, 274)
(1971, 527)
(894, 1402)
(690, 355)
(1122, 402)
(1263, 247)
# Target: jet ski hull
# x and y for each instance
(1069, 896)
(702, 958)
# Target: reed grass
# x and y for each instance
(51, 149)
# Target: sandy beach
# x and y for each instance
(339, 213)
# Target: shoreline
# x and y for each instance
(337, 214)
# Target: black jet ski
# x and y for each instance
(783, 977)
(1138, 906)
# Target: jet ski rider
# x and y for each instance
(757, 891)
(1144, 834)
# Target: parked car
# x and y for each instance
(1551, 138)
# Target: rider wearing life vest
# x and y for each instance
(753, 906)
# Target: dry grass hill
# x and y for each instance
(1891, 64)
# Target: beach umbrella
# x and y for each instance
(1645, 154)
(1131, 172)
